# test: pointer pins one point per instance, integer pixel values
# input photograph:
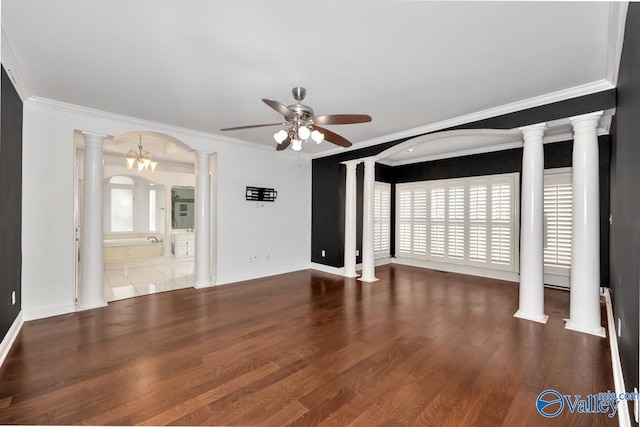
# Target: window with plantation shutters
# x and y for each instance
(557, 223)
(478, 222)
(381, 219)
(437, 232)
(419, 221)
(455, 223)
(469, 221)
(501, 223)
(404, 220)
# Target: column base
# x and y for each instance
(540, 318)
(85, 307)
(597, 331)
(368, 279)
(204, 285)
(351, 275)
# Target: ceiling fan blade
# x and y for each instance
(256, 126)
(341, 119)
(284, 144)
(333, 137)
(280, 108)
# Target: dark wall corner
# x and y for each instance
(11, 206)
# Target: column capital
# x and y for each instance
(203, 155)
(94, 139)
(370, 161)
(586, 123)
(352, 162)
(533, 131)
(588, 116)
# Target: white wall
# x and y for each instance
(281, 229)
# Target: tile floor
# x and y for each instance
(132, 280)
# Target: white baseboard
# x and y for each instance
(11, 336)
(557, 280)
(618, 379)
(50, 311)
(509, 276)
(230, 279)
(338, 271)
(383, 261)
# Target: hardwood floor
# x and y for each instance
(418, 347)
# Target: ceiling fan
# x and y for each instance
(304, 125)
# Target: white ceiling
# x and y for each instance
(205, 65)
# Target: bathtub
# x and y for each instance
(128, 249)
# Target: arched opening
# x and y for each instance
(149, 244)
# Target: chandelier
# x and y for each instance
(143, 158)
(300, 132)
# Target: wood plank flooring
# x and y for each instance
(419, 347)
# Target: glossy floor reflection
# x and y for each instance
(127, 281)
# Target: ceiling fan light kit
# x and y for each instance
(304, 125)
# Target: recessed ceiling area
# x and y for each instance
(454, 143)
(450, 144)
(205, 65)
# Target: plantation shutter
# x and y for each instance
(437, 221)
(467, 221)
(381, 219)
(501, 223)
(404, 219)
(455, 231)
(558, 195)
(420, 221)
(478, 223)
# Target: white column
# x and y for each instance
(203, 220)
(368, 257)
(531, 226)
(584, 313)
(168, 203)
(91, 293)
(350, 220)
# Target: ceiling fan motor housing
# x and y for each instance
(302, 111)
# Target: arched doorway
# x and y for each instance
(140, 243)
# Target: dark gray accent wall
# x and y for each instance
(11, 205)
(625, 199)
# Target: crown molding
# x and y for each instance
(615, 38)
(148, 124)
(550, 98)
(12, 66)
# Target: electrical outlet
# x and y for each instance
(13, 297)
(323, 253)
(619, 328)
(357, 252)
